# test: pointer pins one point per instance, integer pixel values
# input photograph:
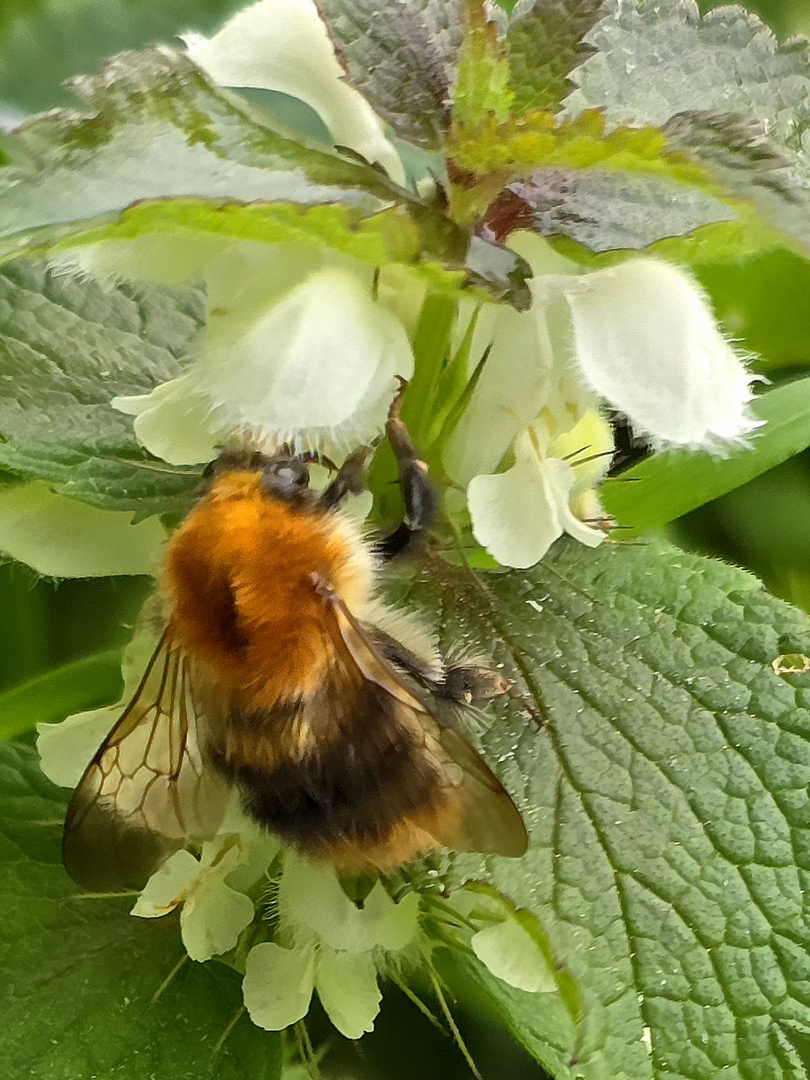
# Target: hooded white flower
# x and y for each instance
(284, 45)
(213, 914)
(326, 944)
(505, 945)
(295, 347)
(533, 445)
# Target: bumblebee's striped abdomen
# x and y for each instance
(363, 793)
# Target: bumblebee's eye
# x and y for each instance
(287, 477)
(293, 474)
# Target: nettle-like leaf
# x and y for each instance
(626, 188)
(67, 347)
(667, 802)
(654, 60)
(402, 55)
(87, 990)
(668, 162)
(604, 211)
(546, 43)
(706, 82)
(162, 149)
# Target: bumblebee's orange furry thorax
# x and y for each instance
(243, 604)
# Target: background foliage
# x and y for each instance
(763, 526)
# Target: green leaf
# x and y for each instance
(666, 800)
(660, 64)
(67, 347)
(162, 149)
(483, 97)
(545, 40)
(402, 57)
(671, 484)
(75, 687)
(604, 211)
(656, 60)
(87, 989)
(627, 186)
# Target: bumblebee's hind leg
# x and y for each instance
(421, 500)
(462, 684)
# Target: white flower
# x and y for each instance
(284, 45)
(532, 446)
(327, 944)
(213, 914)
(507, 945)
(295, 348)
(66, 749)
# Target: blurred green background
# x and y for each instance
(764, 526)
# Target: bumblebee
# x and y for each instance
(280, 673)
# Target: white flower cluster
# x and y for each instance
(304, 345)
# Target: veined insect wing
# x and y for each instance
(489, 822)
(147, 790)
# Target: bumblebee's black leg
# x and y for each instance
(421, 502)
(464, 684)
(349, 480)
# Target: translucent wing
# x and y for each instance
(489, 821)
(148, 788)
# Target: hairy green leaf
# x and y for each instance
(671, 484)
(402, 56)
(67, 347)
(162, 149)
(721, 88)
(87, 989)
(545, 40)
(604, 211)
(666, 798)
(655, 60)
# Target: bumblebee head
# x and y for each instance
(284, 475)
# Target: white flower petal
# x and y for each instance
(260, 850)
(66, 749)
(347, 987)
(173, 422)
(513, 388)
(168, 886)
(310, 895)
(515, 513)
(397, 924)
(511, 954)
(283, 45)
(318, 365)
(212, 919)
(647, 342)
(278, 984)
(64, 538)
(562, 481)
